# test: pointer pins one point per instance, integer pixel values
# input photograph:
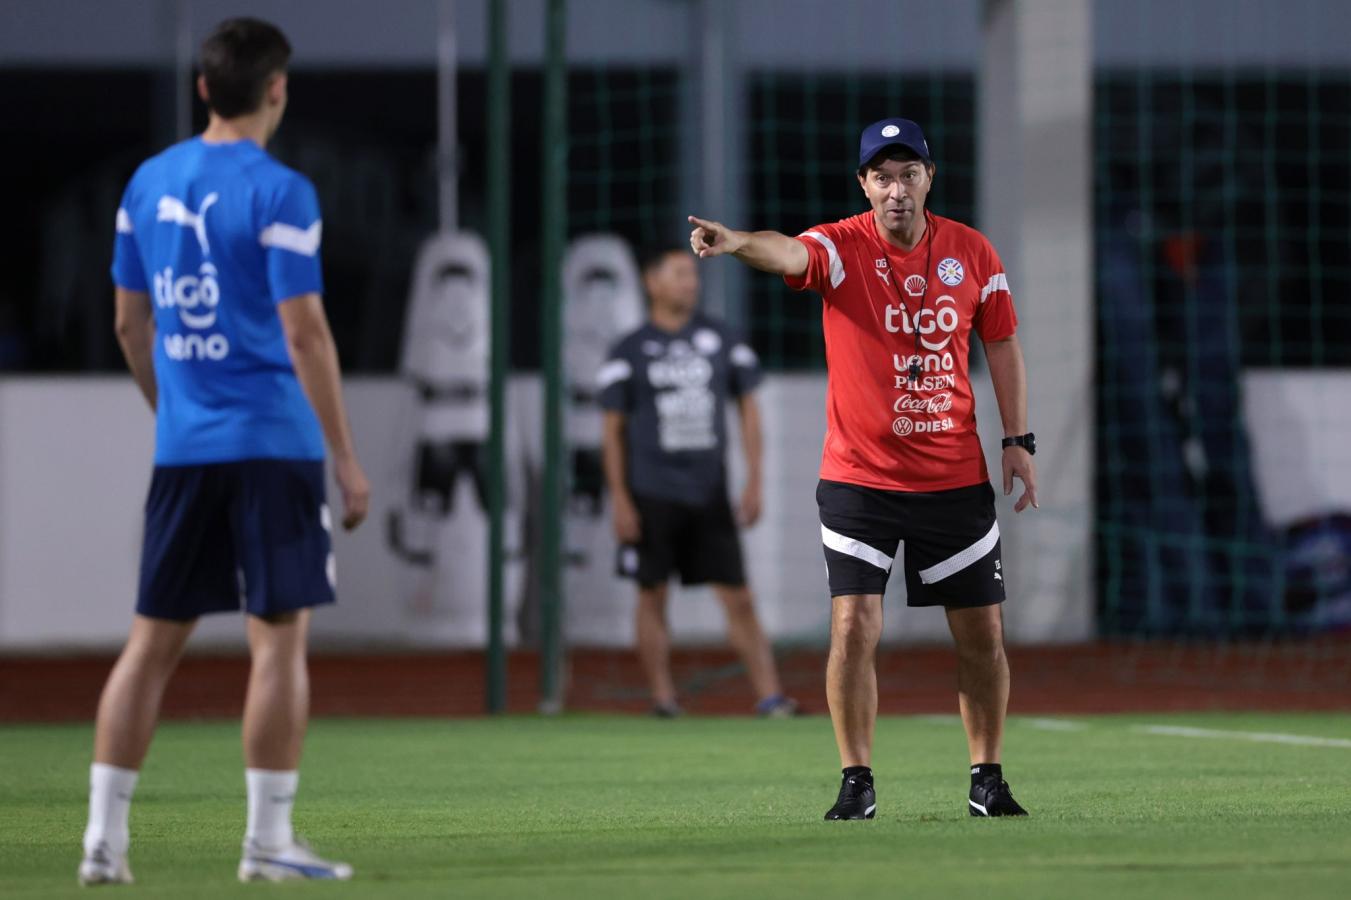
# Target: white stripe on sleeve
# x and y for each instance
(304, 241)
(613, 372)
(998, 282)
(836, 266)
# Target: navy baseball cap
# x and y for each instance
(891, 132)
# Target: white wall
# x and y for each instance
(75, 463)
(1036, 207)
(1300, 429)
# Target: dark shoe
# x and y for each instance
(667, 711)
(857, 800)
(991, 797)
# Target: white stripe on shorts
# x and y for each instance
(857, 549)
(954, 564)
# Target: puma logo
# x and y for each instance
(171, 209)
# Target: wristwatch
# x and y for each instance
(1027, 441)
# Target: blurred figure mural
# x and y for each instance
(440, 531)
(602, 301)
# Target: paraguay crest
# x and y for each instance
(950, 272)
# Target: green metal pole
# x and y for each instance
(554, 186)
(499, 222)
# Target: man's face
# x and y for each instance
(673, 284)
(897, 189)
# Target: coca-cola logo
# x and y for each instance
(938, 403)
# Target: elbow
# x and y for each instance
(129, 331)
(305, 341)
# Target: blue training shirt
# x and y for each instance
(218, 235)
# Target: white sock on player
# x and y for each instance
(271, 796)
(110, 790)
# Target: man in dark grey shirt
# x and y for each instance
(664, 388)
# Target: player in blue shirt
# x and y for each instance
(221, 319)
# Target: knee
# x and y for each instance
(857, 627)
(277, 656)
(152, 657)
(738, 603)
(981, 649)
(652, 602)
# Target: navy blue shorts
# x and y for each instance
(254, 534)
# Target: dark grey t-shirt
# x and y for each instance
(673, 389)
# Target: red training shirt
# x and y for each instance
(883, 429)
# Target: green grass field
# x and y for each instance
(609, 807)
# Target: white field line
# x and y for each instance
(1057, 724)
(1261, 737)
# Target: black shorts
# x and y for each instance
(253, 534)
(699, 542)
(951, 543)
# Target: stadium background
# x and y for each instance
(1168, 189)
(1169, 185)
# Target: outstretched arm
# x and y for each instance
(1009, 377)
(767, 251)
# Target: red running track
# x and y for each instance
(1064, 680)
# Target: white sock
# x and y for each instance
(271, 795)
(110, 790)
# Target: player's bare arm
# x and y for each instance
(628, 526)
(767, 251)
(752, 443)
(1010, 389)
(315, 358)
(134, 322)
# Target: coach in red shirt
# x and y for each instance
(903, 290)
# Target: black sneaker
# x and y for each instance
(667, 711)
(857, 800)
(991, 797)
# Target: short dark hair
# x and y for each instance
(654, 255)
(238, 59)
(895, 153)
